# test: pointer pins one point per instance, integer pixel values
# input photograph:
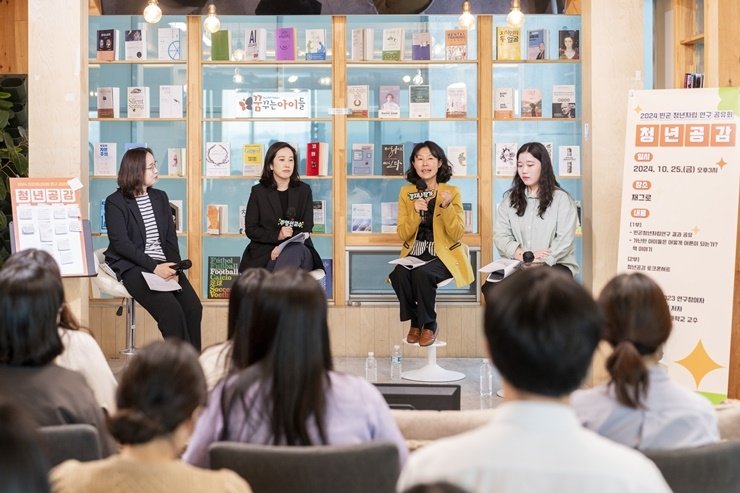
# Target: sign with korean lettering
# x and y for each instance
(679, 220)
(46, 215)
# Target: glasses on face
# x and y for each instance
(152, 166)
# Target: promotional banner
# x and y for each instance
(679, 220)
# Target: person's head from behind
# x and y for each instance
(542, 328)
(281, 163)
(34, 256)
(138, 171)
(637, 324)
(23, 466)
(159, 393)
(31, 300)
(288, 346)
(241, 301)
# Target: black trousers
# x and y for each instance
(295, 255)
(417, 292)
(178, 313)
(487, 287)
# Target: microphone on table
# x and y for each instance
(421, 186)
(182, 265)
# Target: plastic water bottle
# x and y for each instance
(371, 368)
(486, 378)
(396, 363)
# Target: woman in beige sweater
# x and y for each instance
(159, 398)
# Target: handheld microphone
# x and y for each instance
(182, 265)
(290, 213)
(528, 257)
(421, 185)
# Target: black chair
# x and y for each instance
(711, 468)
(366, 468)
(73, 441)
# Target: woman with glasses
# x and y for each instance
(142, 238)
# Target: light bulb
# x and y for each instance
(212, 23)
(515, 17)
(238, 55)
(152, 12)
(292, 78)
(466, 19)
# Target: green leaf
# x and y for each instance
(4, 117)
(22, 164)
(3, 193)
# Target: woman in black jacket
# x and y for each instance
(142, 239)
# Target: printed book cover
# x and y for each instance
(357, 99)
(222, 273)
(135, 44)
(107, 45)
(503, 101)
(255, 44)
(392, 161)
(419, 103)
(389, 102)
(457, 101)
(285, 43)
(537, 44)
(506, 158)
(421, 44)
(168, 43)
(362, 218)
(319, 216)
(363, 159)
(315, 44)
(532, 103)
(458, 158)
(564, 101)
(508, 43)
(388, 217)
(252, 159)
(456, 44)
(104, 159)
(569, 160)
(218, 159)
(393, 44)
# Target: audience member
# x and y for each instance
(161, 393)
(223, 358)
(81, 352)
(541, 329)
(640, 406)
(289, 393)
(31, 301)
(23, 467)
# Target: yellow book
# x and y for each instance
(508, 43)
(252, 159)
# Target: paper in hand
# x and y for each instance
(156, 283)
(409, 262)
(299, 238)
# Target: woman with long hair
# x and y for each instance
(161, 393)
(81, 352)
(430, 224)
(280, 207)
(31, 301)
(143, 240)
(641, 406)
(289, 394)
(229, 356)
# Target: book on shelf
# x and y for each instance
(252, 159)
(169, 43)
(218, 159)
(508, 43)
(103, 223)
(500, 269)
(170, 102)
(255, 44)
(107, 45)
(537, 44)
(135, 44)
(568, 46)
(109, 104)
(176, 161)
(357, 99)
(319, 216)
(579, 210)
(532, 103)
(388, 217)
(458, 159)
(285, 47)
(315, 44)
(569, 160)
(693, 80)
(363, 159)
(327, 282)
(242, 219)
(456, 105)
(217, 217)
(134, 145)
(389, 99)
(421, 46)
(221, 45)
(222, 274)
(467, 217)
(137, 102)
(506, 158)
(393, 44)
(419, 102)
(317, 159)
(456, 44)
(391, 156)
(564, 101)
(362, 218)
(549, 146)
(176, 207)
(362, 44)
(104, 159)
(503, 103)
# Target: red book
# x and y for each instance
(317, 159)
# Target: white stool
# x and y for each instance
(432, 372)
(107, 283)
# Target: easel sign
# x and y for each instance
(47, 216)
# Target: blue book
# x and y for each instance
(103, 225)
(421, 46)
